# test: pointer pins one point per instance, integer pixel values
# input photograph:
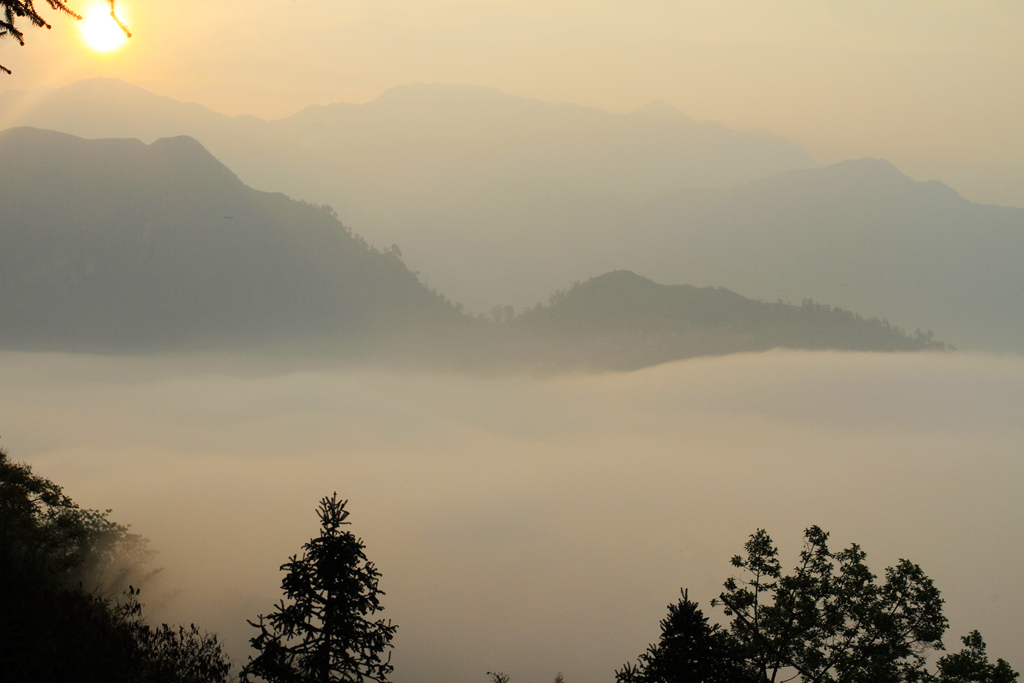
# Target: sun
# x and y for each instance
(99, 30)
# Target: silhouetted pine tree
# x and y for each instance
(321, 631)
(689, 651)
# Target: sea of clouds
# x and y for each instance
(533, 525)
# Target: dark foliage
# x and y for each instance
(971, 665)
(830, 621)
(321, 631)
(54, 628)
(827, 622)
(47, 538)
(689, 651)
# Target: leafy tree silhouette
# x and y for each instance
(971, 664)
(831, 622)
(321, 631)
(827, 622)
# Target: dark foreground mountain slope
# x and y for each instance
(118, 246)
(622, 320)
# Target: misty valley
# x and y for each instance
(550, 366)
(536, 525)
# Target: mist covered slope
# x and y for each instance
(119, 246)
(459, 139)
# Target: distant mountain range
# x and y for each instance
(115, 246)
(495, 199)
(430, 145)
(453, 174)
(858, 234)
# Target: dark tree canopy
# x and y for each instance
(49, 539)
(59, 565)
(971, 664)
(689, 651)
(14, 10)
(322, 631)
(829, 621)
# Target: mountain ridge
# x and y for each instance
(474, 220)
(117, 246)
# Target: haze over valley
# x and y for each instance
(538, 525)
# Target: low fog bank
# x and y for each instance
(531, 525)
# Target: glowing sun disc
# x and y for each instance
(99, 30)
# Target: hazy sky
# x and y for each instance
(931, 85)
(534, 525)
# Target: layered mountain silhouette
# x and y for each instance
(116, 246)
(453, 174)
(427, 141)
(858, 234)
(119, 246)
(496, 199)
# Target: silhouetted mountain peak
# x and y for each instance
(27, 138)
(102, 85)
(115, 244)
(867, 167)
(425, 92)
